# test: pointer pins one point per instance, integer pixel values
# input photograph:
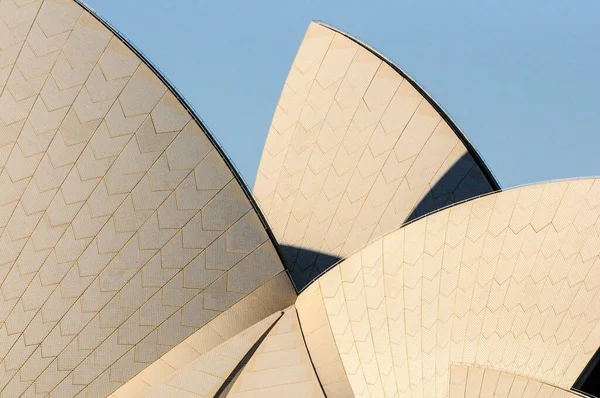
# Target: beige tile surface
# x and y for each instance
(477, 382)
(354, 150)
(321, 344)
(203, 376)
(274, 295)
(281, 366)
(122, 230)
(508, 282)
(132, 262)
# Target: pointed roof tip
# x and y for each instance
(453, 125)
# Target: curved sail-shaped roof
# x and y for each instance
(509, 281)
(134, 261)
(356, 149)
(123, 228)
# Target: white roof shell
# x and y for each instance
(356, 149)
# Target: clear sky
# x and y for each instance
(521, 78)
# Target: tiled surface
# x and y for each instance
(275, 295)
(510, 281)
(126, 241)
(321, 344)
(475, 382)
(280, 367)
(122, 230)
(202, 377)
(353, 152)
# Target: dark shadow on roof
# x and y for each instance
(588, 381)
(464, 180)
(305, 265)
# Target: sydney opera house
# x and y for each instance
(376, 257)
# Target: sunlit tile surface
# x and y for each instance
(122, 229)
(354, 151)
(508, 282)
(134, 262)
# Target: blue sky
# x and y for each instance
(521, 78)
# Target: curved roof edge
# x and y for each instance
(461, 136)
(564, 393)
(445, 208)
(188, 107)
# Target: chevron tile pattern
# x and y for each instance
(280, 367)
(133, 261)
(353, 151)
(475, 382)
(16, 20)
(122, 229)
(273, 296)
(204, 376)
(510, 281)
